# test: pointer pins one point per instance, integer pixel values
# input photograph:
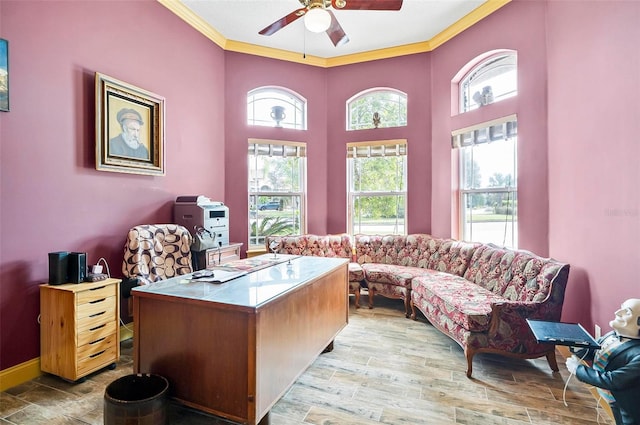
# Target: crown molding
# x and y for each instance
(473, 17)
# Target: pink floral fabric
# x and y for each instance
(314, 245)
(464, 303)
(391, 274)
(478, 294)
(320, 246)
(515, 275)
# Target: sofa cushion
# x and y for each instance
(515, 275)
(451, 256)
(315, 245)
(391, 249)
(391, 274)
(463, 302)
(356, 274)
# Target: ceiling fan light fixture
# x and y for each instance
(317, 20)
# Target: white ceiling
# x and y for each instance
(418, 21)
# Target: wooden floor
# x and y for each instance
(384, 369)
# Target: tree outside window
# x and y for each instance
(377, 175)
(377, 108)
(277, 189)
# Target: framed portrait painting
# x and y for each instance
(129, 128)
(4, 75)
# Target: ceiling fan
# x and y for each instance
(319, 18)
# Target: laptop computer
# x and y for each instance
(561, 333)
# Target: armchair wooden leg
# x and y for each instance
(357, 300)
(553, 362)
(372, 293)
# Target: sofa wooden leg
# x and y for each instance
(372, 293)
(407, 307)
(469, 353)
(553, 362)
(357, 300)
(413, 310)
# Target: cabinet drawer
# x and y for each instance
(94, 307)
(99, 317)
(97, 332)
(97, 355)
(96, 294)
(225, 255)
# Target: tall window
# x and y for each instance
(488, 184)
(377, 187)
(277, 189)
(377, 108)
(493, 80)
(276, 107)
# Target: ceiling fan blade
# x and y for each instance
(367, 4)
(335, 32)
(283, 22)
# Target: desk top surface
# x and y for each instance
(270, 279)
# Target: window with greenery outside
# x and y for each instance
(492, 80)
(377, 176)
(277, 190)
(377, 108)
(488, 184)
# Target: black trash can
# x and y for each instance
(139, 399)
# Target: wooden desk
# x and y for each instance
(233, 349)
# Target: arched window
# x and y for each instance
(493, 79)
(276, 107)
(377, 108)
(486, 181)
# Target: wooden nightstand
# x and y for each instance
(79, 327)
(216, 256)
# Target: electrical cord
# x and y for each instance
(106, 266)
(566, 384)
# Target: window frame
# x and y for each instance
(356, 150)
(401, 102)
(288, 149)
(486, 64)
(275, 96)
(477, 136)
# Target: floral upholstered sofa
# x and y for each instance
(480, 295)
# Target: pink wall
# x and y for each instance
(52, 198)
(594, 178)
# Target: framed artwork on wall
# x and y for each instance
(4, 75)
(129, 128)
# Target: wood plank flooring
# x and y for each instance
(384, 369)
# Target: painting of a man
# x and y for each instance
(128, 142)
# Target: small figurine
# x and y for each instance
(376, 119)
(616, 365)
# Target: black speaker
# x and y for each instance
(77, 267)
(58, 267)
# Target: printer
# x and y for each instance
(192, 211)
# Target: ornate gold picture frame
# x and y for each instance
(129, 128)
